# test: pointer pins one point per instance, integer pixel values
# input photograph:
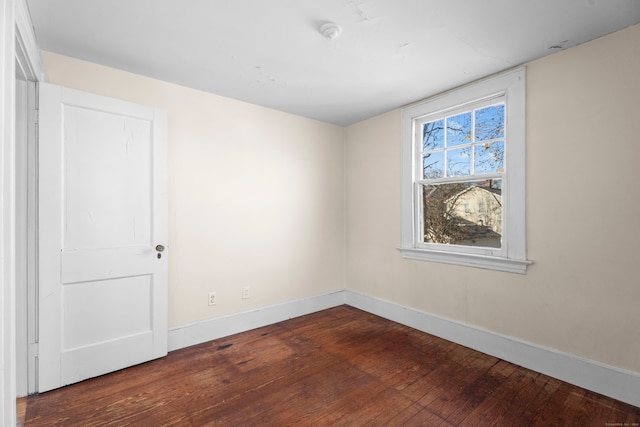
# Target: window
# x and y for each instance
(463, 178)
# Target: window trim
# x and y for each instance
(512, 256)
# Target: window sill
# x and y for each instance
(469, 260)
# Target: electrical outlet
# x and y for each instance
(245, 292)
(212, 298)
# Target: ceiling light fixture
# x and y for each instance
(331, 30)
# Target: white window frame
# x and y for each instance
(511, 256)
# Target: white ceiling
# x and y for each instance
(270, 52)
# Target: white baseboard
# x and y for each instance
(604, 379)
(195, 333)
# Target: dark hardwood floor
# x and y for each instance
(338, 367)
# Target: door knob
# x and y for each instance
(159, 248)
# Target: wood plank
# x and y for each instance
(340, 366)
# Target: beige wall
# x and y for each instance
(256, 195)
(256, 198)
(583, 223)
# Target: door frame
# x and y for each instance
(29, 68)
(19, 56)
(7, 197)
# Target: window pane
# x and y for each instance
(468, 213)
(489, 157)
(459, 129)
(433, 135)
(490, 123)
(433, 165)
(459, 161)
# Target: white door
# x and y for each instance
(102, 226)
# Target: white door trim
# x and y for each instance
(17, 46)
(29, 68)
(26, 235)
(7, 211)
(21, 229)
(27, 52)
